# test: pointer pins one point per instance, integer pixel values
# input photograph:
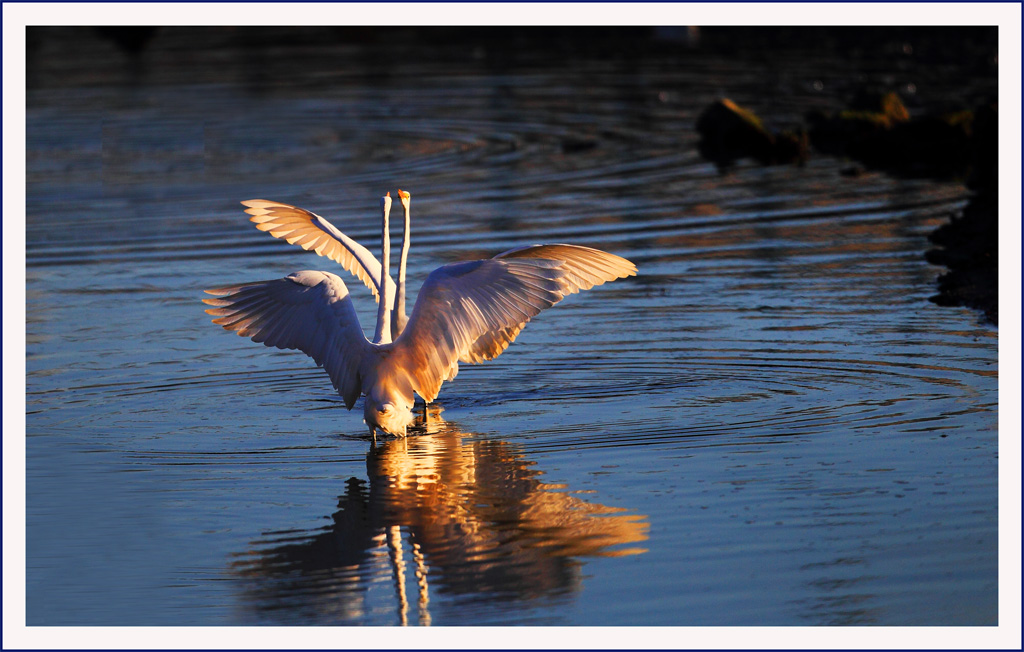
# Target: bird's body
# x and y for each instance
(469, 311)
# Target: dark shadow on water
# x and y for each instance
(443, 512)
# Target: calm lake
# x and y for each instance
(769, 425)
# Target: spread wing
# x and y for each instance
(460, 302)
(309, 311)
(584, 267)
(312, 232)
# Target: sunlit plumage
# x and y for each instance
(469, 311)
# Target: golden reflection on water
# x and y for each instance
(443, 510)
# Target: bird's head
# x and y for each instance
(404, 197)
(391, 415)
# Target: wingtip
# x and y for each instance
(629, 267)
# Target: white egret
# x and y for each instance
(469, 310)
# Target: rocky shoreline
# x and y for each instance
(876, 131)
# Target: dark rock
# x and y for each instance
(729, 132)
(791, 147)
(887, 104)
(983, 166)
(969, 244)
(878, 131)
(862, 129)
(969, 247)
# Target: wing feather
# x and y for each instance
(308, 230)
(461, 302)
(584, 268)
(308, 311)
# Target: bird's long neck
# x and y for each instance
(383, 333)
(399, 317)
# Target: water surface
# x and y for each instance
(769, 425)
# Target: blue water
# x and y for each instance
(769, 425)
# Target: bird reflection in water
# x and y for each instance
(444, 512)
